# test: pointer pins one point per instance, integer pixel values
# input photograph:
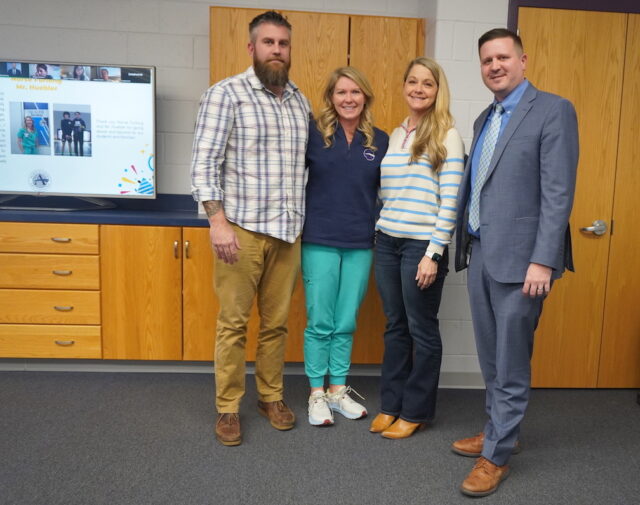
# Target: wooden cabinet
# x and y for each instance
(130, 293)
(379, 46)
(49, 291)
(200, 308)
(141, 270)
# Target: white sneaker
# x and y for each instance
(319, 412)
(340, 401)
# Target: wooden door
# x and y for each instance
(579, 55)
(620, 349)
(141, 270)
(382, 47)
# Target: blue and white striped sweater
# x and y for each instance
(418, 202)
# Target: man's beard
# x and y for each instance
(270, 76)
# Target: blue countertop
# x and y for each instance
(165, 210)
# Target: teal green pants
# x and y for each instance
(335, 283)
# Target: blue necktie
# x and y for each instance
(488, 146)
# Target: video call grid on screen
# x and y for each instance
(77, 129)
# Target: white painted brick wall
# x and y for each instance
(457, 26)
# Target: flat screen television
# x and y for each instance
(77, 130)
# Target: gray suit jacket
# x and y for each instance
(526, 200)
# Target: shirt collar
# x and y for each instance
(405, 126)
(339, 132)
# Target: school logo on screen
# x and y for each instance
(40, 180)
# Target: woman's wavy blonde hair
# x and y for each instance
(328, 117)
(434, 125)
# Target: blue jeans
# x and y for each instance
(412, 344)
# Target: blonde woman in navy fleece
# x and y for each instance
(343, 158)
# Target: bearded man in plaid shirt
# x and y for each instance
(248, 170)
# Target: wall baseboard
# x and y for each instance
(448, 380)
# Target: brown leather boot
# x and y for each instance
(280, 416)
(472, 447)
(484, 479)
(402, 429)
(228, 429)
(381, 422)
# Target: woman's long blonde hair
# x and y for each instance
(434, 125)
(328, 116)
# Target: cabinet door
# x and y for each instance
(319, 45)
(141, 272)
(200, 305)
(382, 47)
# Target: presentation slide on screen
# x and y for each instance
(76, 129)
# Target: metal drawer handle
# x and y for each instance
(65, 343)
(186, 249)
(64, 240)
(63, 308)
(176, 249)
(62, 272)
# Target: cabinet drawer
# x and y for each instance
(47, 306)
(49, 271)
(49, 238)
(44, 341)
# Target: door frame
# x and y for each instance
(626, 6)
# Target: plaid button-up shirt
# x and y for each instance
(249, 152)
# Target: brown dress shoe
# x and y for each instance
(228, 429)
(381, 422)
(472, 447)
(484, 479)
(402, 429)
(280, 416)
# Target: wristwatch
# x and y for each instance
(434, 256)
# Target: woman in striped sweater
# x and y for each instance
(420, 174)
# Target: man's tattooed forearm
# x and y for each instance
(212, 207)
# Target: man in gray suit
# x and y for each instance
(513, 232)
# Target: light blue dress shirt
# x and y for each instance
(509, 103)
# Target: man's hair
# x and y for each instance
(41, 66)
(271, 17)
(65, 113)
(501, 33)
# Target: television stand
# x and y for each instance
(54, 203)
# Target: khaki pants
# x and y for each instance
(266, 267)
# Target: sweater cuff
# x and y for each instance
(435, 248)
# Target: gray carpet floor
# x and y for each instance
(123, 438)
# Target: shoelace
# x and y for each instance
(228, 419)
(484, 464)
(319, 398)
(349, 389)
(280, 406)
